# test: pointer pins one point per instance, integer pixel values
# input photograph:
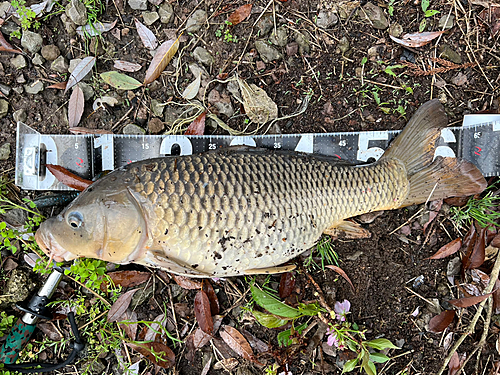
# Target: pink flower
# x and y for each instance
(332, 338)
(342, 308)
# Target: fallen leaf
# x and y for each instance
(259, 107)
(197, 127)
(130, 324)
(454, 364)
(434, 208)
(227, 364)
(417, 39)
(147, 37)
(236, 341)
(441, 321)
(212, 297)
(207, 367)
(105, 99)
(496, 298)
(6, 45)
(448, 249)
(133, 369)
(95, 29)
(470, 301)
(9, 265)
(240, 14)
(186, 282)
(121, 305)
(201, 338)
(127, 66)
(75, 106)
(120, 81)
(192, 89)
(154, 328)
(68, 178)
(80, 71)
(476, 259)
(50, 331)
(341, 272)
(59, 86)
(163, 55)
(256, 344)
(202, 312)
(457, 201)
(4, 49)
(287, 284)
(31, 259)
(80, 130)
(129, 279)
(158, 353)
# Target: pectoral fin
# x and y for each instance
(269, 270)
(350, 229)
(157, 259)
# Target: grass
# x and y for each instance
(481, 210)
(325, 251)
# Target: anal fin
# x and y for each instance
(269, 270)
(350, 229)
(155, 259)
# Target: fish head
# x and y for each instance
(103, 222)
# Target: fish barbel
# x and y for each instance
(247, 211)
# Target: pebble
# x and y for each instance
(196, 21)
(303, 43)
(31, 41)
(204, 57)
(5, 89)
(18, 90)
(446, 52)
(17, 288)
(21, 79)
(4, 8)
(77, 12)
(5, 151)
(138, 4)
(446, 22)
(326, 19)
(133, 129)
(150, 17)
(292, 49)
(88, 91)
(376, 15)
(396, 30)
(50, 52)
(18, 62)
(60, 65)
(453, 267)
(68, 24)
(343, 45)
(34, 88)
(280, 38)
(267, 53)
(221, 102)
(38, 59)
(265, 25)
(157, 108)
(20, 115)
(4, 107)
(460, 79)
(165, 11)
(155, 125)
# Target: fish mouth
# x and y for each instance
(50, 247)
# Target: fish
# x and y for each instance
(245, 211)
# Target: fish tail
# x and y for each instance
(431, 177)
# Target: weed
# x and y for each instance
(228, 37)
(6, 323)
(427, 13)
(326, 252)
(89, 272)
(482, 210)
(390, 7)
(26, 15)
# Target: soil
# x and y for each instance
(392, 278)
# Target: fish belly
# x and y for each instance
(225, 213)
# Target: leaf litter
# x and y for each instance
(162, 57)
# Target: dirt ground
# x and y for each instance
(344, 67)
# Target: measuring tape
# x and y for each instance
(477, 140)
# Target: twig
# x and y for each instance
(472, 325)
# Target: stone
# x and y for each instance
(396, 30)
(260, 65)
(155, 125)
(303, 43)
(68, 24)
(343, 45)
(88, 91)
(165, 11)
(133, 129)
(20, 115)
(460, 79)
(292, 49)
(50, 52)
(21, 79)
(4, 108)
(18, 287)
(60, 65)
(150, 17)
(31, 41)
(157, 108)
(96, 46)
(375, 15)
(77, 12)
(5, 151)
(326, 19)
(448, 53)
(18, 90)
(138, 4)
(18, 62)
(4, 9)
(267, 53)
(38, 59)
(265, 25)
(5, 89)
(376, 52)
(196, 21)
(446, 22)
(280, 38)
(34, 88)
(9, 27)
(204, 57)
(221, 102)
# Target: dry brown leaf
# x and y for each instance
(68, 178)
(154, 329)
(59, 86)
(50, 331)
(341, 272)
(236, 341)
(127, 66)
(212, 297)
(470, 301)
(121, 305)
(147, 37)
(240, 14)
(75, 107)
(129, 279)
(202, 312)
(287, 284)
(434, 208)
(259, 107)
(163, 55)
(448, 249)
(158, 353)
(130, 324)
(81, 70)
(80, 130)
(441, 321)
(197, 127)
(478, 254)
(192, 89)
(417, 39)
(186, 282)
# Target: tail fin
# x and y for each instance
(429, 177)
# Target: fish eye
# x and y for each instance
(75, 219)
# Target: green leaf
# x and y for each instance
(379, 357)
(349, 365)
(268, 320)
(3, 225)
(422, 25)
(430, 13)
(311, 309)
(381, 344)
(370, 368)
(425, 5)
(364, 60)
(273, 305)
(120, 81)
